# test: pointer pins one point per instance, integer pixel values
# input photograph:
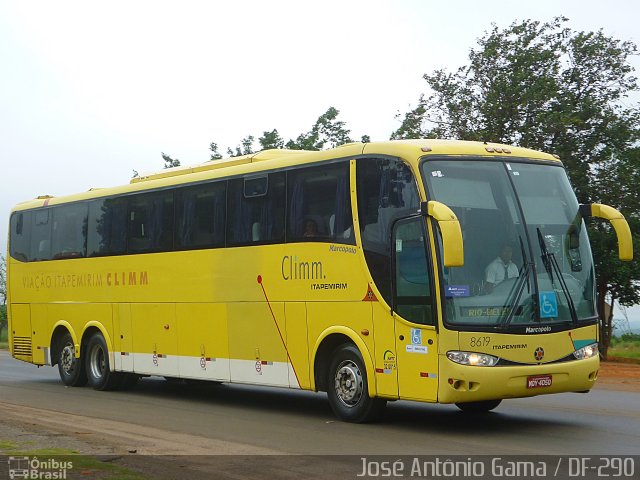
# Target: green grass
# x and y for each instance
(86, 465)
(627, 346)
(625, 350)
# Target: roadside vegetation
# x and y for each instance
(84, 465)
(626, 346)
(3, 327)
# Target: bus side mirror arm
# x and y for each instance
(619, 224)
(452, 244)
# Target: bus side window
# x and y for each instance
(256, 216)
(68, 237)
(20, 236)
(320, 204)
(40, 235)
(386, 190)
(200, 216)
(150, 223)
(107, 227)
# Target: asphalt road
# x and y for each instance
(267, 420)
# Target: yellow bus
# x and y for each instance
(427, 270)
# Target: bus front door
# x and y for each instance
(414, 312)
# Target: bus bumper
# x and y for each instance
(463, 383)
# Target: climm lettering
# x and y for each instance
(121, 279)
(295, 269)
(86, 280)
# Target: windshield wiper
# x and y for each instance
(511, 306)
(551, 266)
(527, 264)
(512, 303)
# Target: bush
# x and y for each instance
(3, 323)
(630, 337)
(3, 317)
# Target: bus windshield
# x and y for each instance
(527, 257)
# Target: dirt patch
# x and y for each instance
(113, 437)
(619, 376)
(120, 450)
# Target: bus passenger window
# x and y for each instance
(150, 223)
(40, 235)
(200, 216)
(107, 227)
(320, 205)
(256, 210)
(69, 229)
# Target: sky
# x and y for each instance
(91, 91)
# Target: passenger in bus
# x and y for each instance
(500, 269)
(310, 228)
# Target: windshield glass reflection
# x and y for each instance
(527, 257)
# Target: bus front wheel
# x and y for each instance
(347, 387)
(478, 407)
(70, 368)
(97, 366)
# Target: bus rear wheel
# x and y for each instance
(478, 407)
(99, 373)
(70, 368)
(347, 387)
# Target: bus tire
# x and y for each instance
(347, 387)
(478, 407)
(70, 368)
(99, 373)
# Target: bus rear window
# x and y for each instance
(19, 236)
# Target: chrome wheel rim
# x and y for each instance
(97, 362)
(349, 384)
(68, 358)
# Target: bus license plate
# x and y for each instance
(539, 381)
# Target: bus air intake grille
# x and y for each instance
(22, 346)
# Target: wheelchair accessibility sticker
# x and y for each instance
(416, 336)
(548, 305)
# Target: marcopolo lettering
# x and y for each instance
(538, 329)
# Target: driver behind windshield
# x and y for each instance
(500, 269)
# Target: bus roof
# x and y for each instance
(281, 158)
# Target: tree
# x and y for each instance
(3, 280)
(215, 154)
(3, 293)
(170, 162)
(270, 140)
(245, 147)
(327, 132)
(617, 183)
(548, 87)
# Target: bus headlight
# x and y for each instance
(472, 358)
(586, 352)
